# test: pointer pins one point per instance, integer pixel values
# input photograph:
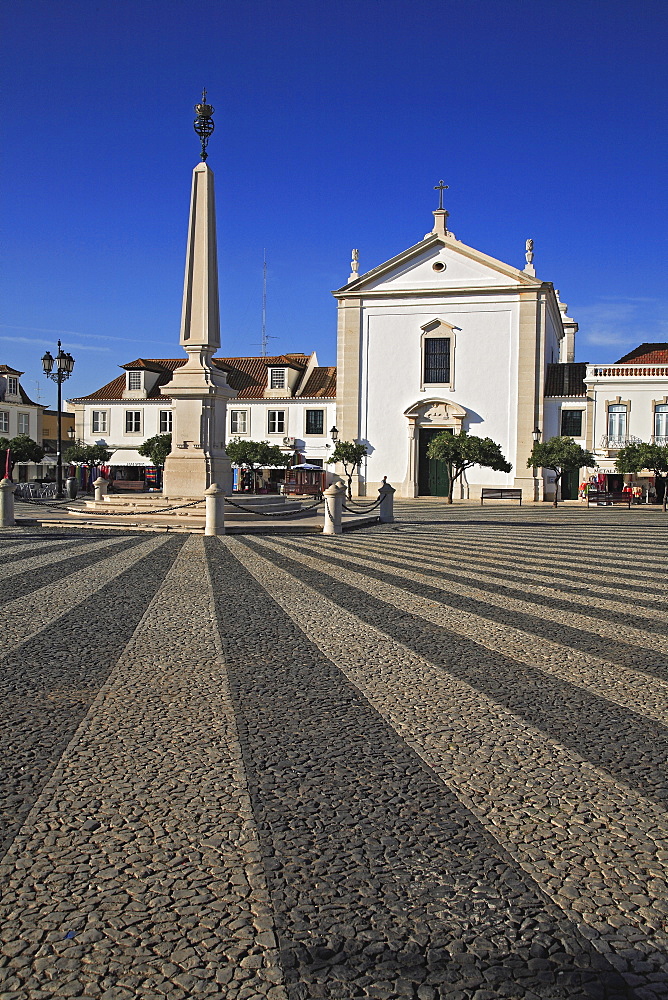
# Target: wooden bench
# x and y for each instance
(606, 498)
(488, 493)
(128, 486)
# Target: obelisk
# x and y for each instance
(199, 390)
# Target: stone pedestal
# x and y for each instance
(198, 456)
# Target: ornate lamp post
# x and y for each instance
(536, 433)
(64, 364)
(334, 434)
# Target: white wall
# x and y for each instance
(115, 436)
(312, 445)
(484, 365)
(639, 392)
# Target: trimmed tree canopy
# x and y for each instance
(559, 455)
(255, 455)
(635, 457)
(349, 454)
(22, 449)
(157, 448)
(87, 454)
(461, 451)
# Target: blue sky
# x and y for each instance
(333, 123)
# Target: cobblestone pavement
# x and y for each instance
(422, 760)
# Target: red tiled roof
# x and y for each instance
(248, 376)
(566, 379)
(6, 370)
(646, 354)
(321, 383)
(153, 366)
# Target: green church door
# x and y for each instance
(433, 479)
(569, 484)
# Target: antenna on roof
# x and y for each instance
(265, 337)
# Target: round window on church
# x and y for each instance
(438, 266)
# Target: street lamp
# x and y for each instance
(334, 434)
(58, 369)
(536, 434)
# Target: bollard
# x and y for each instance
(100, 486)
(333, 495)
(215, 510)
(7, 488)
(386, 510)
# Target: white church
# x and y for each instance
(444, 337)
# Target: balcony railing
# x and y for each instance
(614, 442)
(626, 371)
(660, 439)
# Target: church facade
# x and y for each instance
(444, 337)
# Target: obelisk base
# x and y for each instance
(190, 474)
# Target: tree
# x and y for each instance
(89, 455)
(22, 448)
(559, 455)
(461, 451)
(349, 454)
(255, 455)
(157, 449)
(654, 457)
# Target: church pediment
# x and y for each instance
(434, 264)
(437, 412)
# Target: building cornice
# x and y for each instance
(524, 290)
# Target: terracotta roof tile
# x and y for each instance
(248, 376)
(646, 354)
(6, 370)
(321, 383)
(566, 379)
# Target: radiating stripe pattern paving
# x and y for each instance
(422, 760)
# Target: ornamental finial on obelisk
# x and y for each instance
(204, 124)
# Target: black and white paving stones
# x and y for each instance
(424, 760)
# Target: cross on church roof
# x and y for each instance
(441, 187)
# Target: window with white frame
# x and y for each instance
(277, 378)
(134, 380)
(12, 385)
(617, 423)
(315, 421)
(276, 422)
(24, 423)
(166, 421)
(4, 421)
(99, 422)
(133, 421)
(437, 349)
(661, 423)
(239, 421)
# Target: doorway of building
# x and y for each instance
(570, 481)
(433, 479)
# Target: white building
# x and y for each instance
(444, 337)
(287, 400)
(19, 415)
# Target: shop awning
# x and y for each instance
(128, 456)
